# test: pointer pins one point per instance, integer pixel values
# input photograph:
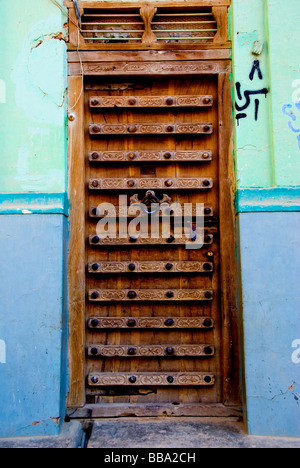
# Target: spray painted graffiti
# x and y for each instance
(2, 352)
(289, 110)
(296, 93)
(296, 353)
(242, 106)
(2, 92)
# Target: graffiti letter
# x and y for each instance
(255, 68)
(2, 352)
(296, 93)
(289, 112)
(296, 353)
(292, 128)
(2, 92)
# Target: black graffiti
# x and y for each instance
(248, 94)
(256, 67)
(247, 97)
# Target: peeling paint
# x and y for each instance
(296, 353)
(283, 393)
(59, 36)
(39, 73)
(56, 420)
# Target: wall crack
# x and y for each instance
(49, 37)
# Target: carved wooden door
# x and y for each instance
(153, 332)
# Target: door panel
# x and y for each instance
(153, 330)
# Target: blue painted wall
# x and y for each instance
(33, 373)
(269, 314)
(265, 48)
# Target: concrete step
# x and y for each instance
(179, 433)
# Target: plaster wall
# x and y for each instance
(266, 73)
(33, 98)
(33, 223)
(33, 374)
(269, 306)
(266, 57)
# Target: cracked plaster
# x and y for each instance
(40, 73)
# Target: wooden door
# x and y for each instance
(154, 326)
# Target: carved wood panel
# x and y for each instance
(120, 211)
(150, 267)
(151, 129)
(208, 239)
(133, 184)
(166, 350)
(168, 323)
(150, 101)
(151, 379)
(104, 295)
(152, 156)
(116, 68)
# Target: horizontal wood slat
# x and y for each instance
(140, 55)
(105, 410)
(149, 68)
(133, 210)
(150, 267)
(151, 183)
(149, 379)
(215, 50)
(143, 241)
(99, 102)
(163, 350)
(151, 129)
(107, 295)
(152, 156)
(176, 4)
(98, 323)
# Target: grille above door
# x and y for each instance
(102, 26)
(172, 26)
(149, 25)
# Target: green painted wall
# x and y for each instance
(283, 20)
(267, 150)
(252, 145)
(33, 95)
(32, 98)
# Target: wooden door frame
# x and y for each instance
(145, 63)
